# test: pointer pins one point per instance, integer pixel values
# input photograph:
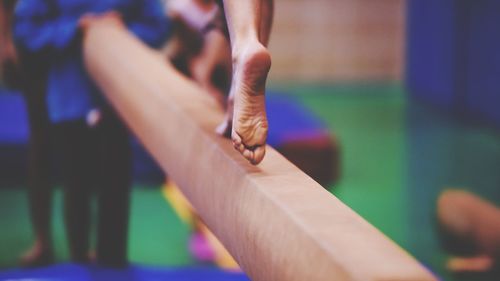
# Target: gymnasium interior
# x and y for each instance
(385, 103)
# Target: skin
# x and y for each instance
(249, 24)
(214, 55)
(9, 68)
(5, 27)
(472, 229)
(112, 17)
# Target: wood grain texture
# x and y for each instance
(275, 220)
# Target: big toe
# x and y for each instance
(253, 155)
(258, 154)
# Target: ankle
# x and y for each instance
(240, 52)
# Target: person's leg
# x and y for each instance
(39, 189)
(113, 191)
(249, 33)
(33, 77)
(77, 160)
(211, 68)
(267, 16)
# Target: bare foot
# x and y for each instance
(38, 255)
(249, 121)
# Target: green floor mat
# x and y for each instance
(398, 154)
(156, 236)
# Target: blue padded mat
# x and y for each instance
(74, 272)
(452, 56)
(290, 120)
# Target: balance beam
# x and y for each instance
(275, 220)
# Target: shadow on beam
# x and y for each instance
(276, 221)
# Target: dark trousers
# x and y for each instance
(96, 158)
(39, 189)
(32, 73)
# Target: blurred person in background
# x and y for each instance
(27, 73)
(470, 230)
(8, 57)
(92, 140)
(249, 27)
(201, 49)
(94, 144)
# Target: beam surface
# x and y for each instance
(276, 221)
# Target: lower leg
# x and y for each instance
(41, 253)
(76, 144)
(77, 219)
(114, 193)
(39, 190)
(112, 227)
(267, 11)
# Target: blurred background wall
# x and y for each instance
(338, 40)
(453, 58)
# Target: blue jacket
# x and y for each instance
(53, 25)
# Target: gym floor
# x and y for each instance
(397, 156)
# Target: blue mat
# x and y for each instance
(74, 272)
(452, 56)
(290, 120)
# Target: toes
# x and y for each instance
(248, 154)
(258, 154)
(236, 139)
(240, 147)
(254, 155)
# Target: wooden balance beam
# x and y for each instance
(275, 220)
